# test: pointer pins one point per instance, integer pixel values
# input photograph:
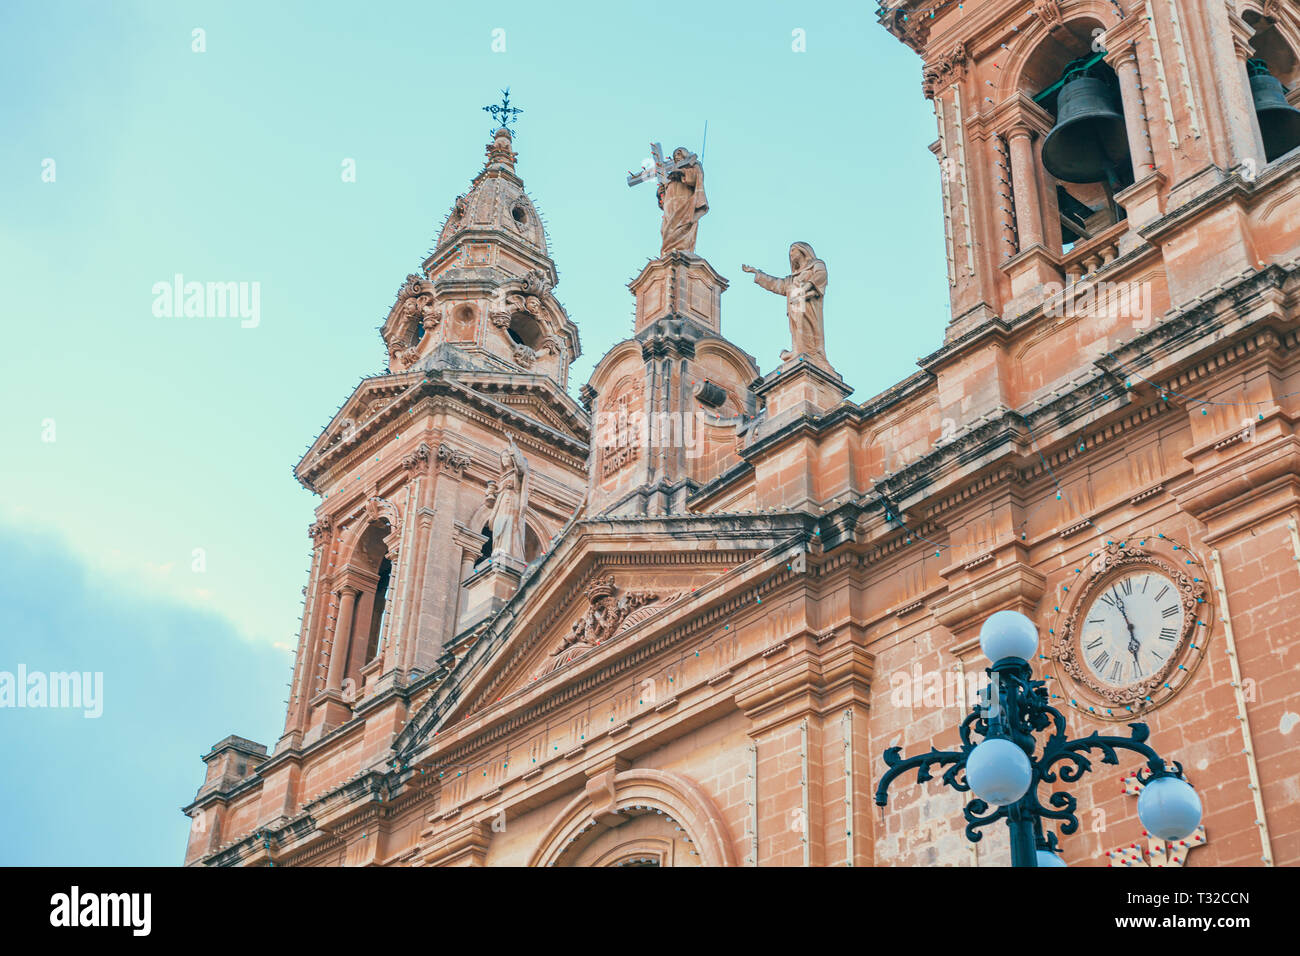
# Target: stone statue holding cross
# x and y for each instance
(681, 196)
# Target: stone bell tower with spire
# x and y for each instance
(411, 472)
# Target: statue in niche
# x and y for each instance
(510, 505)
(804, 290)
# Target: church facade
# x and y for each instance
(678, 620)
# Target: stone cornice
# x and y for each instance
(456, 387)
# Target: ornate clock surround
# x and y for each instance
(1118, 559)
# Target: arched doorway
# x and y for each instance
(640, 818)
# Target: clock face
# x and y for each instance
(1131, 628)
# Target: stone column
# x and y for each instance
(1024, 186)
(342, 632)
(1130, 83)
(1227, 39)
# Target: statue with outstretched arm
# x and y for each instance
(804, 290)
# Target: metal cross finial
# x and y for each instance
(505, 113)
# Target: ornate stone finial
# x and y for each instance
(499, 152)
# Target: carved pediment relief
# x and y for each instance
(609, 610)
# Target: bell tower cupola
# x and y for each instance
(484, 296)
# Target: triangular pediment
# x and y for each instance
(607, 588)
(604, 610)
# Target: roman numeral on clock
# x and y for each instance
(1095, 643)
(1127, 585)
(1115, 671)
(1100, 660)
(1170, 611)
(1163, 591)
(1168, 634)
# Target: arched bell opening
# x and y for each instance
(1270, 44)
(379, 609)
(370, 569)
(1273, 72)
(1087, 150)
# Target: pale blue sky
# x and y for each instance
(173, 434)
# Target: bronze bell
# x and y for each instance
(1088, 143)
(1279, 121)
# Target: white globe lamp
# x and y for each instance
(1169, 808)
(998, 771)
(1008, 634)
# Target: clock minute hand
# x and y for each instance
(1133, 644)
(1119, 603)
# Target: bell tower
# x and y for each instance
(1066, 128)
(443, 477)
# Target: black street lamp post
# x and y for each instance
(1005, 767)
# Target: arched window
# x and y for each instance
(379, 608)
(371, 571)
